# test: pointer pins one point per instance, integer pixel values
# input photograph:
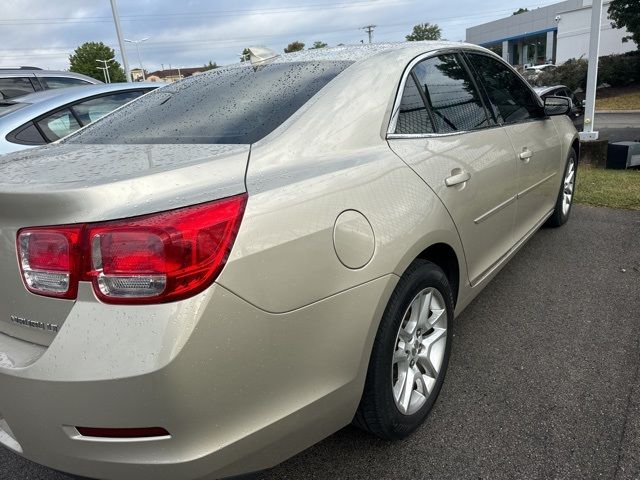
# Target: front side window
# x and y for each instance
(91, 110)
(513, 101)
(231, 105)
(62, 82)
(58, 125)
(443, 86)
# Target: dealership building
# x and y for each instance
(551, 34)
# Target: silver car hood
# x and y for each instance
(63, 184)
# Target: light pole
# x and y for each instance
(588, 132)
(137, 44)
(116, 20)
(105, 69)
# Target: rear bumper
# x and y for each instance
(237, 388)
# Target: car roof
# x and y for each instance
(16, 72)
(42, 102)
(70, 94)
(360, 52)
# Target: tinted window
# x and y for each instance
(58, 125)
(91, 110)
(450, 94)
(239, 104)
(512, 99)
(28, 135)
(15, 87)
(413, 116)
(62, 82)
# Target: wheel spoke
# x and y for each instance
(407, 389)
(400, 356)
(425, 309)
(425, 357)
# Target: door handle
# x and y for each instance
(457, 178)
(526, 154)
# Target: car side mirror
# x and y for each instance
(557, 105)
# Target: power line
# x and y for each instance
(217, 13)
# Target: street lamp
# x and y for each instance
(137, 44)
(105, 69)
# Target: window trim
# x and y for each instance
(395, 111)
(460, 52)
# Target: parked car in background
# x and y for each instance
(231, 268)
(47, 116)
(15, 82)
(577, 106)
(535, 70)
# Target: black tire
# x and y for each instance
(377, 412)
(559, 217)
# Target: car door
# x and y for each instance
(534, 138)
(442, 129)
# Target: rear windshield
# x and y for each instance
(237, 105)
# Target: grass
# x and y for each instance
(608, 188)
(629, 101)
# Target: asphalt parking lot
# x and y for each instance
(543, 381)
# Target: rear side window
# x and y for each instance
(58, 125)
(91, 110)
(239, 104)
(15, 86)
(62, 82)
(446, 91)
(27, 135)
(512, 99)
(413, 116)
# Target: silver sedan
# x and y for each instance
(44, 117)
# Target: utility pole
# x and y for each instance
(369, 30)
(137, 44)
(116, 20)
(592, 73)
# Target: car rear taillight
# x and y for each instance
(156, 258)
(48, 260)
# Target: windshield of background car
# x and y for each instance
(238, 105)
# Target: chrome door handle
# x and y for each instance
(526, 154)
(457, 179)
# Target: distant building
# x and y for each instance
(173, 74)
(551, 34)
(136, 75)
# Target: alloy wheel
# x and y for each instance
(419, 350)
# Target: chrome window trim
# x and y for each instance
(393, 121)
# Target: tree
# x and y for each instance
(520, 10)
(424, 31)
(626, 14)
(209, 66)
(245, 55)
(318, 44)
(294, 47)
(84, 60)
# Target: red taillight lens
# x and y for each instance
(155, 258)
(47, 260)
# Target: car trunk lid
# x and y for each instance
(69, 184)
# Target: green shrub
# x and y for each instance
(615, 70)
(619, 70)
(572, 73)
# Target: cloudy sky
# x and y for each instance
(188, 33)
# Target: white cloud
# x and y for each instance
(192, 32)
